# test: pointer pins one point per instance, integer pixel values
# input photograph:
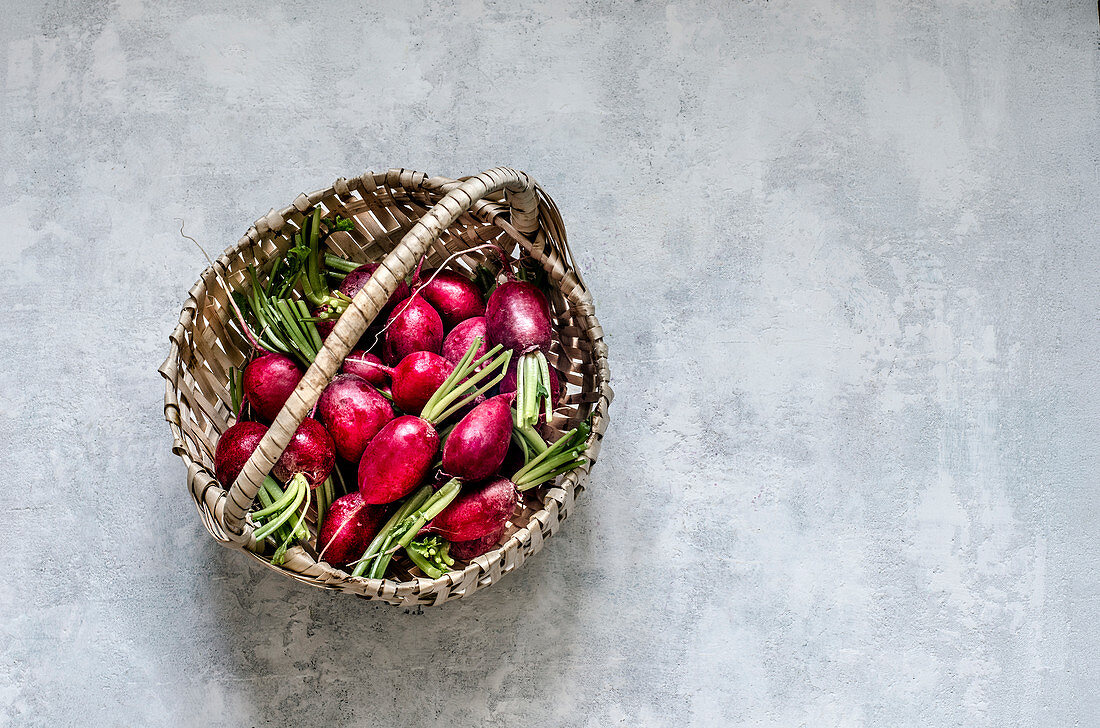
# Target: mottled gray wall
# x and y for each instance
(846, 257)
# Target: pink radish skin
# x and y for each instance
(416, 378)
(453, 295)
(413, 326)
(517, 317)
(467, 550)
(368, 366)
(234, 448)
(354, 282)
(476, 513)
(268, 382)
(460, 338)
(476, 447)
(353, 412)
(311, 452)
(349, 526)
(397, 459)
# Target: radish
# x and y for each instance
(468, 550)
(477, 445)
(234, 448)
(459, 338)
(304, 464)
(356, 279)
(353, 412)
(485, 509)
(478, 512)
(400, 455)
(310, 453)
(453, 295)
(268, 382)
(518, 318)
(348, 528)
(416, 378)
(413, 326)
(368, 366)
(397, 459)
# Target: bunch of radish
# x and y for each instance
(433, 421)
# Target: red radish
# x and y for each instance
(468, 550)
(518, 318)
(234, 448)
(349, 526)
(310, 452)
(416, 378)
(476, 513)
(460, 337)
(368, 366)
(483, 510)
(358, 278)
(268, 382)
(400, 455)
(397, 459)
(353, 412)
(453, 295)
(413, 326)
(476, 447)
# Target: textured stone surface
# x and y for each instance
(846, 257)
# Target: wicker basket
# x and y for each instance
(399, 217)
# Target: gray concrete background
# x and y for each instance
(846, 257)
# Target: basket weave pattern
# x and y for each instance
(398, 217)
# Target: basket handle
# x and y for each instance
(522, 197)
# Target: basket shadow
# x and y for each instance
(292, 648)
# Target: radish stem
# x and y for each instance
(336, 263)
(277, 506)
(568, 448)
(411, 504)
(457, 386)
(431, 555)
(310, 327)
(278, 556)
(298, 489)
(530, 438)
(405, 531)
(447, 405)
